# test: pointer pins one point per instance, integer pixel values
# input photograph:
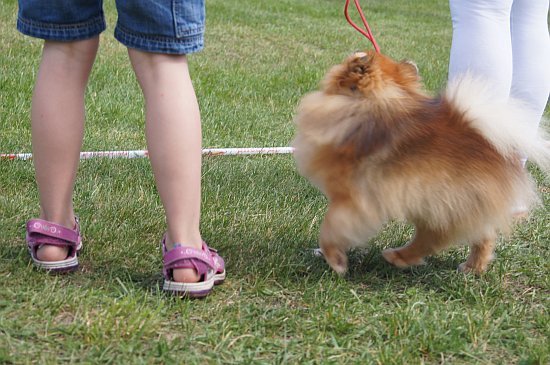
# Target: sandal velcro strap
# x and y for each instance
(41, 232)
(41, 229)
(205, 261)
(180, 253)
(219, 263)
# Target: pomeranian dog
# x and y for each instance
(380, 148)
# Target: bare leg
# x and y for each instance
(173, 131)
(425, 242)
(481, 254)
(57, 118)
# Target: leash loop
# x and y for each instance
(366, 32)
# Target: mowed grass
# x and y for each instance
(280, 304)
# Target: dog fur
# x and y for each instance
(380, 148)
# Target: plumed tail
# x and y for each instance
(509, 125)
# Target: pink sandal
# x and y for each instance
(209, 265)
(41, 232)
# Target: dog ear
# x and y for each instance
(409, 69)
(366, 138)
(411, 64)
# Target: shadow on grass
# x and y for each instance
(258, 268)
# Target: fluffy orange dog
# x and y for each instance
(380, 148)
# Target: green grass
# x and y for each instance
(280, 304)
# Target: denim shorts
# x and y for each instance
(159, 26)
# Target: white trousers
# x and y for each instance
(505, 42)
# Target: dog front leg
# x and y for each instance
(343, 227)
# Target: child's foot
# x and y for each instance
(199, 269)
(51, 253)
(183, 275)
(46, 252)
(53, 246)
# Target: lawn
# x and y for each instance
(280, 303)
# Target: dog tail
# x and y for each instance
(507, 124)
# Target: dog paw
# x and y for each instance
(395, 258)
(337, 259)
(467, 269)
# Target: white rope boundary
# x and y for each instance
(145, 154)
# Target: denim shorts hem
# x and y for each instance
(62, 32)
(190, 43)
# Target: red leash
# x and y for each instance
(366, 32)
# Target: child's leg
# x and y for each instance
(57, 118)
(173, 131)
(531, 52)
(481, 42)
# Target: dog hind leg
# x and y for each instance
(481, 254)
(425, 242)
